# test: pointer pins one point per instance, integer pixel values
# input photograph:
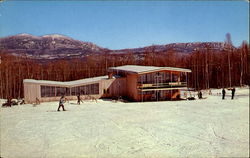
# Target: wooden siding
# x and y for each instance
(31, 92)
(132, 92)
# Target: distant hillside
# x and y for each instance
(177, 47)
(58, 46)
(48, 46)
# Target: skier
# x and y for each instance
(37, 101)
(200, 95)
(233, 92)
(8, 103)
(79, 99)
(185, 95)
(210, 92)
(223, 93)
(61, 102)
(22, 102)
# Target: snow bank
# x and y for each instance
(201, 128)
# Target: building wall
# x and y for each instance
(126, 86)
(31, 92)
(104, 88)
(132, 92)
(116, 88)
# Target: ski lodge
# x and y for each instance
(130, 82)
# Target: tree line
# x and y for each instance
(210, 68)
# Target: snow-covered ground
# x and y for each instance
(209, 127)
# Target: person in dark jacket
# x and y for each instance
(79, 99)
(223, 93)
(61, 102)
(233, 92)
(200, 95)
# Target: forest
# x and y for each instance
(228, 67)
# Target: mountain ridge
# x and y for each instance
(57, 46)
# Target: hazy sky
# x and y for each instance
(128, 24)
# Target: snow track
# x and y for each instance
(201, 128)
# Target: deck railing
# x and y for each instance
(162, 85)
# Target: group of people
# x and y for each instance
(224, 93)
(79, 100)
(10, 102)
(63, 100)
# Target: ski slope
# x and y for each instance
(209, 127)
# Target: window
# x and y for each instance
(82, 90)
(86, 89)
(142, 79)
(174, 78)
(96, 88)
(149, 78)
(74, 91)
(167, 76)
(51, 91)
(183, 77)
(47, 91)
(43, 90)
(60, 91)
(67, 91)
(92, 86)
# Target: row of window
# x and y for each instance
(158, 77)
(52, 91)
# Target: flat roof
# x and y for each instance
(146, 69)
(67, 83)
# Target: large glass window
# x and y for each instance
(43, 90)
(74, 91)
(82, 90)
(142, 79)
(183, 77)
(47, 91)
(51, 91)
(60, 91)
(87, 89)
(96, 88)
(174, 77)
(152, 78)
(167, 77)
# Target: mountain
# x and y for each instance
(176, 47)
(47, 47)
(58, 46)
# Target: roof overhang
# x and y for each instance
(67, 83)
(136, 69)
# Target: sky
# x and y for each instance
(128, 24)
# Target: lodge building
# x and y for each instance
(130, 82)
